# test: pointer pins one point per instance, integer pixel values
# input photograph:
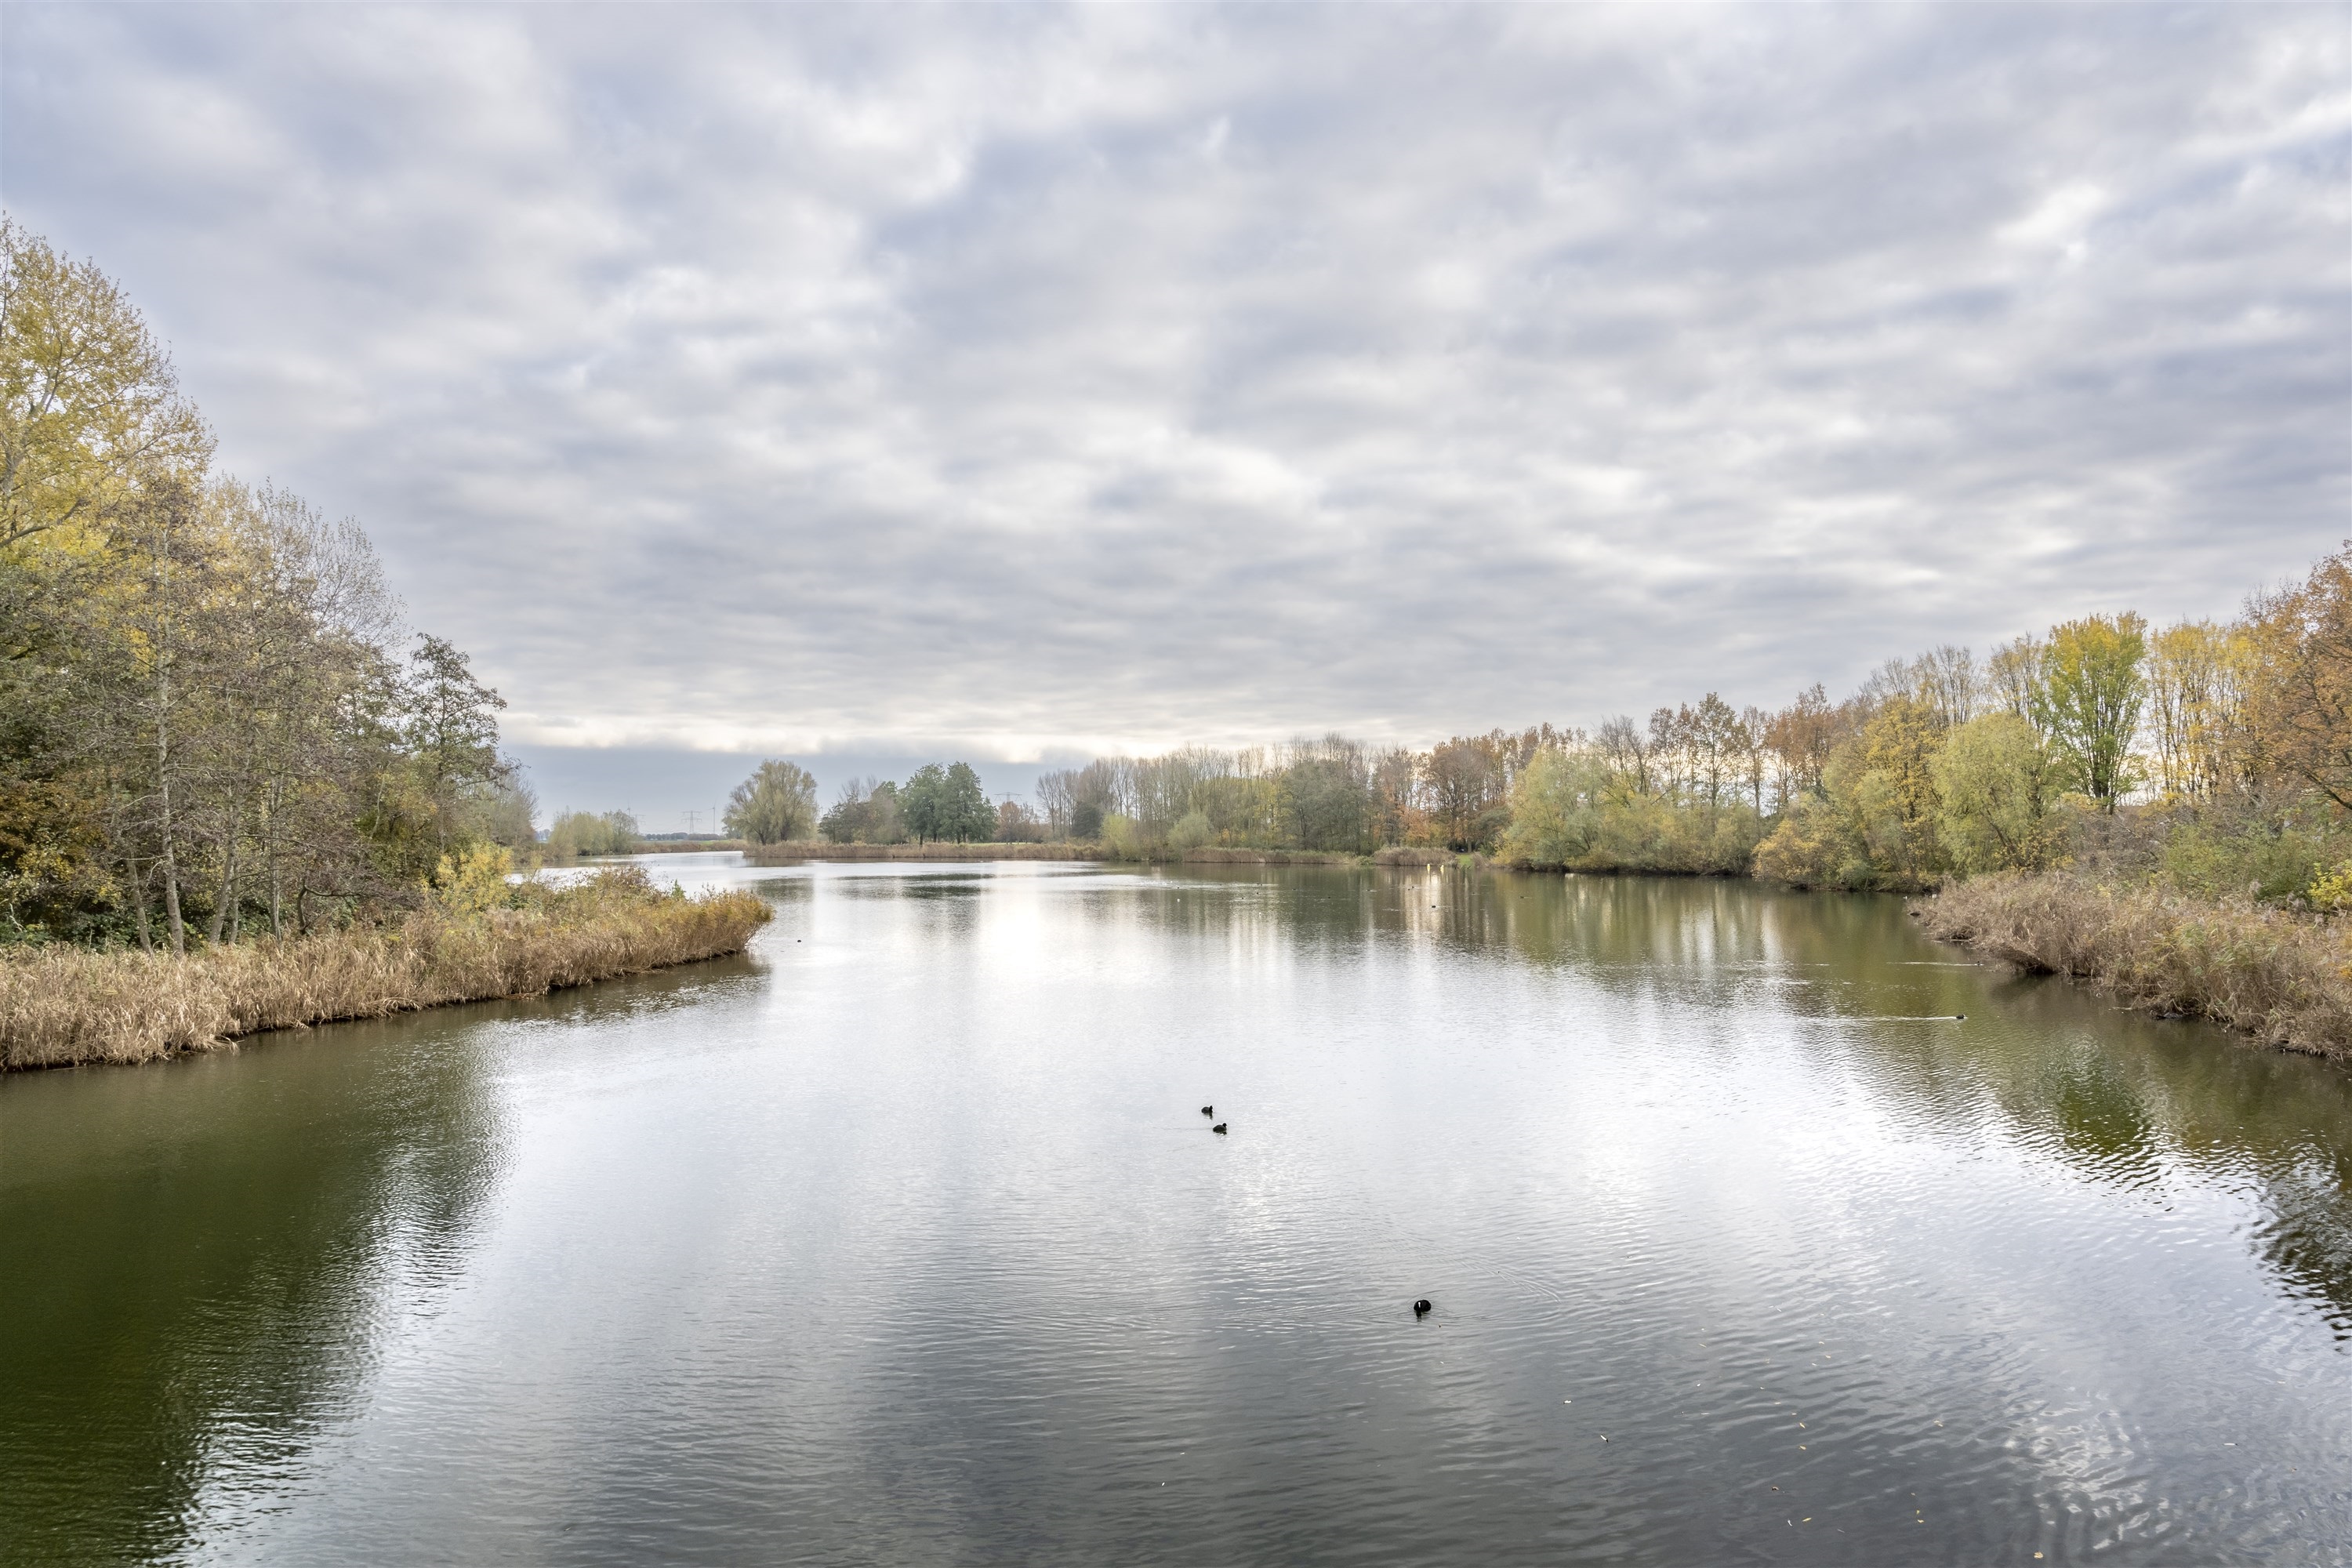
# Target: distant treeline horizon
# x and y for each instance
(2238, 734)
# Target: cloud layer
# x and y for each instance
(1015, 379)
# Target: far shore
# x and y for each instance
(796, 854)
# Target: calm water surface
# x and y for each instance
(902, 1240)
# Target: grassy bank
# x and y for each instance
(63, 1006)
(2283, 976)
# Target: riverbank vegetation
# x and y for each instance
(478, 936)
(577, 833)
(2200, 755)
(215, 731)
(775, 804)
(235, 792)
(214, 726)
(2271, 971)
(2169, 808)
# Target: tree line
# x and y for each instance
(940, 803)
(213, 722)
(2218, 755)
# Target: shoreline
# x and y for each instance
(64, 1007)
(798, 853)
(2282, 979)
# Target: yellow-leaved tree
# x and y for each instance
(89, 403)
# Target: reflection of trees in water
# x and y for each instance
(2203, 1102)
(2121, 1099)
(195, 1252)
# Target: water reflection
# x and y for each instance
(902, 1239)
(197, 1265)
(2118, 1095)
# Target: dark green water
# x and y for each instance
(902, 1240)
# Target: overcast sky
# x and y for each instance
(885, 381)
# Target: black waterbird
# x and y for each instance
(1207, 1110)
(1420, 1308)
(1220, 1127)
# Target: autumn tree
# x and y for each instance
(575, 833)
(775, 806)
(1397, 817)
(2299, 698)
(2088, 701)
(1626, 751)
(2012, 678)
(1325, 798)
(1464, 778)
(90, 407)
(1874, 823)
(2195, 685)
(1946, 679)
(1017, 824)
(1997, 796)
(1800, 738)
(452, 726)
(203, 726)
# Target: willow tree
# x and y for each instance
(775, 804)
(1997, 810)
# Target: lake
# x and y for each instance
(903, 1239)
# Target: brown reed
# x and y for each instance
(66, 1006)
(2279, 974)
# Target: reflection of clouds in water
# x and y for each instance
(911, 1241)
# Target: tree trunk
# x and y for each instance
(138, 880)
(171, 862)
(162, 655)
(223, 903)
(172, 921)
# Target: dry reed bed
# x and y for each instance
(2283, 977)
(61, 1007)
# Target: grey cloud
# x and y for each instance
(1011, 378)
